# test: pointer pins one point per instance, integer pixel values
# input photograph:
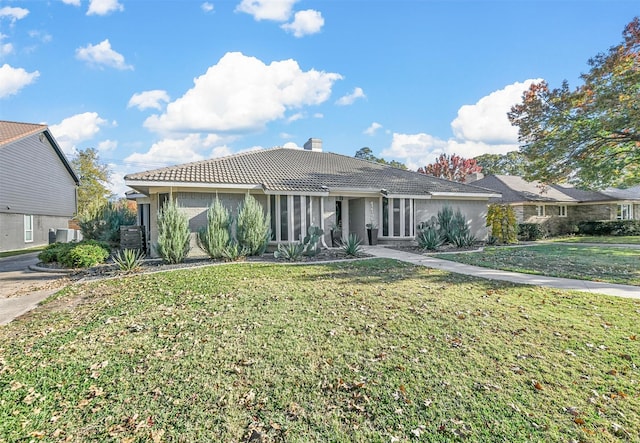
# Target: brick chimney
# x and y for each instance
(313, 144)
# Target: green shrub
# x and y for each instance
(352, 247)
(429, 238)
(609, 227)
(103, 223)
(214, 237)
(289, 251)
(53, 252)
(252, 229)
(173, 233)
(530, 231)
(84, 255)
(129, 259)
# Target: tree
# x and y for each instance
(93, 193)
(366, 154)
(511, 163)
(451, 167)
(588, 136)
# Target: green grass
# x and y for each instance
(21, 251)
(595, 263)
(368, 351)
(628, 239)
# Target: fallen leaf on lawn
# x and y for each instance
(537, 385)
(156, 436)
(419, 430)
(612, 372)
(578, 421)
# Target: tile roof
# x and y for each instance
(12, 131)
(298, 170)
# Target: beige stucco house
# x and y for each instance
(302, 187)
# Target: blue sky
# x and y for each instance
(154, 83)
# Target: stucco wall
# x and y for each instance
(474, 211)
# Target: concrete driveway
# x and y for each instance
(22, 289)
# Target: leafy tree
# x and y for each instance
(214, 237)
(588, 136)
(511, 163)
(451, 167)
(94, 177)
(367, 154)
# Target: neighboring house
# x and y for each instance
(37, 186)
(561, 207)
(303, 187)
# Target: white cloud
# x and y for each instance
(71, 2)
(248, 94)
(44, 37)
(371, 130)
(207, 7)
(103, 7)
(12, 80)
(107, 146)
(102, 55)
(149, 99)
(5, 49)
(75, 129)
(486, 121)
(350, 98)
(276, 10)
(318, 115)
(296, 116)
(305, 23)
(171, 151)
(478, 129)
(13, 14)
(291, 145)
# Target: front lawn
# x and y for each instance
(366, 351)
(595, 263)
(623, 240)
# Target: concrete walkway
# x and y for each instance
(22, 289)
(514, 277)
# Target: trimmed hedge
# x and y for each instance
(610, 227)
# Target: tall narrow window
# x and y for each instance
(385, 217)
(540, 210)
(297, 218)
(307, 206)
(28, 228)
(407, 217)
(162, 199)
(272, 212)
(396, 217)
(284, 218)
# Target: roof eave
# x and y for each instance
(479, 195)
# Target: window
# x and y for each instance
(290, 215)
(28, 228)
(624, 212)
(397, 217)
(540, 211)
(162, 199)
(562, 211)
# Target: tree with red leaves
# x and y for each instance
(451, 167)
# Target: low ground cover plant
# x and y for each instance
(600, 263)
(373, 351)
